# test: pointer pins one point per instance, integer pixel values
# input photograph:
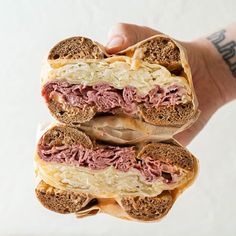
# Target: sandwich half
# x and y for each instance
(150, 81)
(82, 175)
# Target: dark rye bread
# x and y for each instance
(148, 208)
(170, 154)
(176, 115)
(160, 50)
(66, 202)
(62, 134)
(60, 201)
(76, 48)
(70, 114)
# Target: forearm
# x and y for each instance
(220, 60)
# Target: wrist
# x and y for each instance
(208, 92)
(217, 71)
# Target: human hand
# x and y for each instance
(212, 92)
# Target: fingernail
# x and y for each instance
(115, 42)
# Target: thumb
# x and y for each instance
(124, 35)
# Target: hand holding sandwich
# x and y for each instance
(212, 63)
(112, 150)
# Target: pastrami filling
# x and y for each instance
(106, 98)
(121, 158)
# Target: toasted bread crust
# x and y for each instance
(62, 134)
(76, 48)
(70, 115)
(159, 50)
(168, 153)
(176, 115)
(148, 208)
(65, 202)
(60, 201)
(162, 51)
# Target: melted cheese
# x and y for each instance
(119, 72)
(106, 183)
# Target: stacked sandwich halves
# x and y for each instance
(112, 149)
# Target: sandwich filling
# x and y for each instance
(121, 158)
(106, 98)
(108, 86)
(106, 171)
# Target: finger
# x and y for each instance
(124, 35)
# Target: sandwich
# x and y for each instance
(112, 149)
(83, 175)
(148, 82)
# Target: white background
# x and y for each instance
(27, 31)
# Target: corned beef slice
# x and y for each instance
(105, 98)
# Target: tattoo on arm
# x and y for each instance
(226, 49)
